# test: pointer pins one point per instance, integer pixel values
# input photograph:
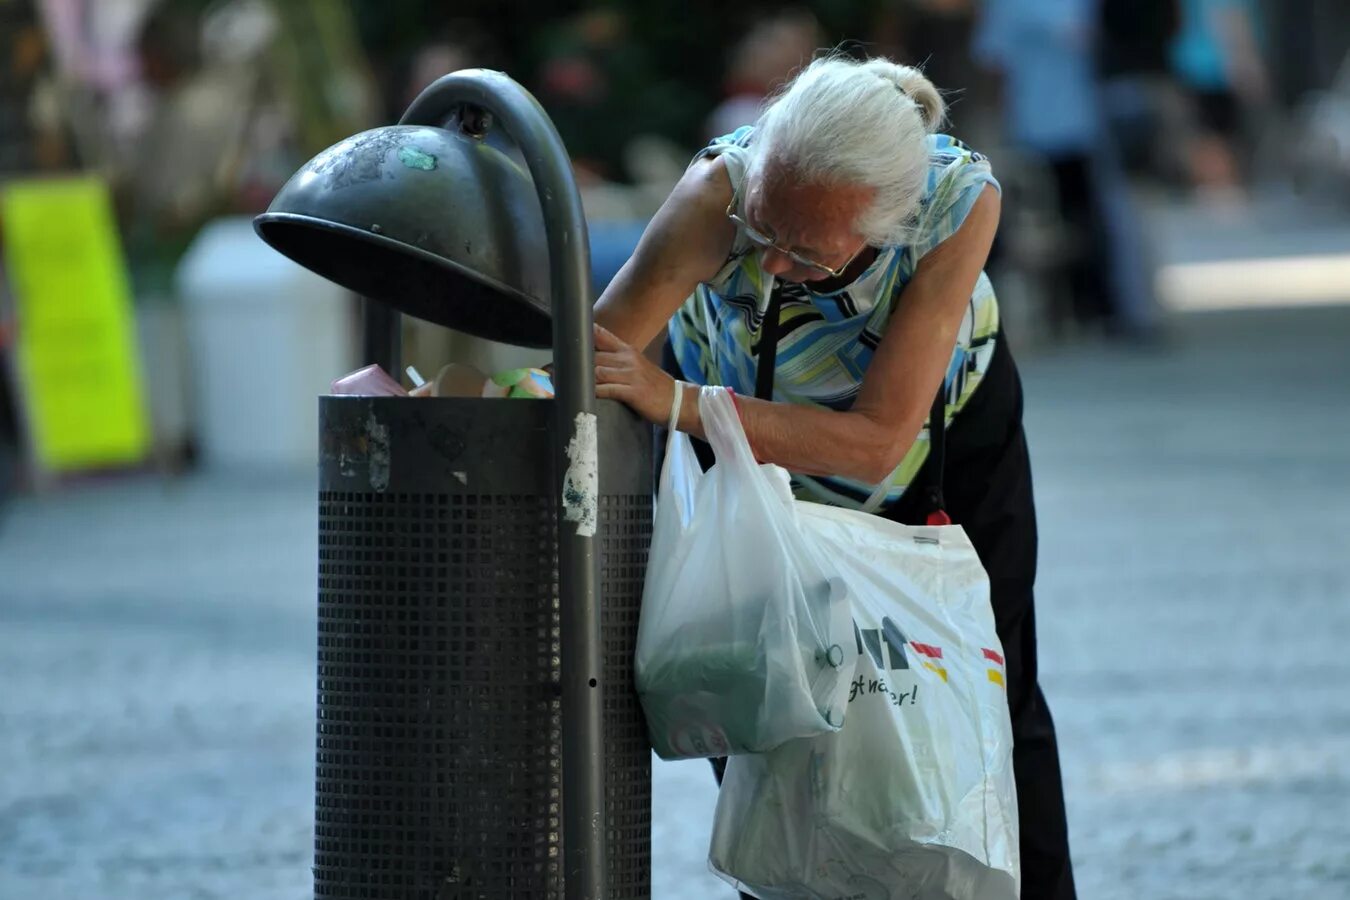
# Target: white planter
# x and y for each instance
(266, 337)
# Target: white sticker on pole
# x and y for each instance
(581, 483)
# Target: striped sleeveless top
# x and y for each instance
(827, 339)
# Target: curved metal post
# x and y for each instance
(528, 125)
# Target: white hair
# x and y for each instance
(858, 123)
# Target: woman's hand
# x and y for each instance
(624, 373)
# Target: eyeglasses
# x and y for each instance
(763, 240)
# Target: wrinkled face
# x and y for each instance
(809, 227)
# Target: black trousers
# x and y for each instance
(987, 482)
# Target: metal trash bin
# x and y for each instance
(479, 734)
(439, 702)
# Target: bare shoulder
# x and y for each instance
(701, 195)
(691, 231)
(686, 242)
(706, 181)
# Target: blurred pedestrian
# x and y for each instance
(770, 53)
(1133, 61)
(830, 260)
(1045, 53)
(1216, 55)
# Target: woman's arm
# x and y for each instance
(685, 243)
(868, 441)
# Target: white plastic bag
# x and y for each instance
(914, 797)
(745, 638)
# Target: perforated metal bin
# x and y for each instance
(439, 714)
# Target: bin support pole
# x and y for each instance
(381, 337)
(521, 116)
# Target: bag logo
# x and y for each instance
(895, 644)
(995, 675)
(890, 649)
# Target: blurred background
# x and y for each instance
(1173, 267)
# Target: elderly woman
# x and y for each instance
(830, 261)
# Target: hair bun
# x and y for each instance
(915, 85)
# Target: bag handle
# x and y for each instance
(767, 361)
(723, 428)
(680, 470)
(674, 438)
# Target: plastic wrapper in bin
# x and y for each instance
(914, 796)
(745, 639)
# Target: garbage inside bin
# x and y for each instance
(371, 381)
(453, 380)
(460, 380)
(535, 383)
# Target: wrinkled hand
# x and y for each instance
(624, 373)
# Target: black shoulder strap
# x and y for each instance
(769, 330)
(937, 449)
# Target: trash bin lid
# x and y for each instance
(431, 221)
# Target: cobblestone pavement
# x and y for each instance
(157, 642)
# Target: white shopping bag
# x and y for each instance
(745, 638)
(914, 797)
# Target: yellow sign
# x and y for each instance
(78, 368)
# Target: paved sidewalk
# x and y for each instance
(157, 642)
(1195, 607)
